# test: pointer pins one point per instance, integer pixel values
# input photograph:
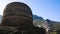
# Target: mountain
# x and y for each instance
(0, 18)
(50, 24)
(35, 17)
(54, 25)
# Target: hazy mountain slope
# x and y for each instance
(0, 18)
(35, 17)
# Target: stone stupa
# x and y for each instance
(17, 14)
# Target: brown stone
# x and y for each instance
(17, 14)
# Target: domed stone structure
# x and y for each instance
(17, 14)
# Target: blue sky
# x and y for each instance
(48, 9)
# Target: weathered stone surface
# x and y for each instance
(17, 14)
